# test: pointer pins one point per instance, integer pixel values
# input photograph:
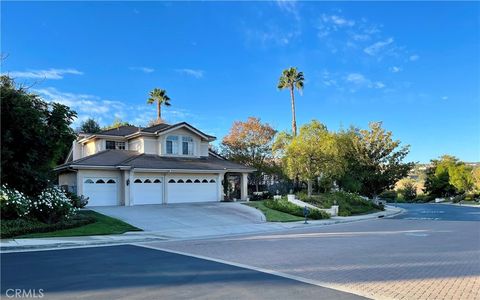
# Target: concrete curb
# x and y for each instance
(145, 237)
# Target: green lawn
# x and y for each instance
(273, 215)
(103, 225)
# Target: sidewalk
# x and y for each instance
(7, 245)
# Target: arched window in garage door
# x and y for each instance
(111, 181)
(137, 181)
(171, 181)
(100, 181)
(147, 181)
(157, 181)
(89, 181)
(197, 181)
(180, 181)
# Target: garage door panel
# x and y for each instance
(101, 191)
(148, 190)
(192, 189)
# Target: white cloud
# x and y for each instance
(105, 111)
(289, 6)
(142, 69)
(332, 23)
(191, 72)
(377, 47)
(359, 80)
(414, 57)
(44, 74)
(395, 69)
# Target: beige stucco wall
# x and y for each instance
(136, 145)
(93, 147)
(150, 145)
(69, 179)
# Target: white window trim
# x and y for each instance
(177, 146)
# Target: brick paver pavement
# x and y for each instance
(381, 259)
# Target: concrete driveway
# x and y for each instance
(185, 216)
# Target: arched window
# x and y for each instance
(147, 181)
(171, 181)
(137, 181)
(197, 181)
(180, 181)
(100, 181)
(111, 181)
(157, 181)
(172, 144)
(212, 180)
(89, 181)
(188, 181)
(204, 181)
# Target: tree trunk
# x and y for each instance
(309, 188)
(159, 112)
(294, 119)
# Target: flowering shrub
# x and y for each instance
(13, 204)
(52, 206)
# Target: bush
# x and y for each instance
(423, 198)
(13, 204)
(458, 198)
(349, 203)
(13, 228)
(285, 206)
(52, 206)
(77, 201)
(258, 196)
(388, 195)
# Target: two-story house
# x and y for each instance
(160, 164)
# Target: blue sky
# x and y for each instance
(413, 65)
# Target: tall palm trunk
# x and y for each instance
(159, 111)
(294, 120)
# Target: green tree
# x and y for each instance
(117, 122)
(90, 126)
(374, 160)
(250, 143)
(312, 154)
(160, 97)
(448, 176)
(35, 137)
(408, 190)
(292, 79)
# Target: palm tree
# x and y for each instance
(159, 96)
(292, 79)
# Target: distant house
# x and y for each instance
(160, 164)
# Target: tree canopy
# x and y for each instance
(310, 155)
(90, 126)
(161, 98)
(448, 176)
(374, 160)
(250, 143)
(36, 136)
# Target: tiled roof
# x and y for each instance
(156, 128)
(114, 158)
(120, 131)
(127, 130)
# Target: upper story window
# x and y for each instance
(115, 145)
(172, 144)
(187, 145)
(179, 145)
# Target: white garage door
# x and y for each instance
(147, 190)
(192, 189)
(101, 191)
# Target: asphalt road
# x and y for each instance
(132, 272)
(400, 258)
(442, 212)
